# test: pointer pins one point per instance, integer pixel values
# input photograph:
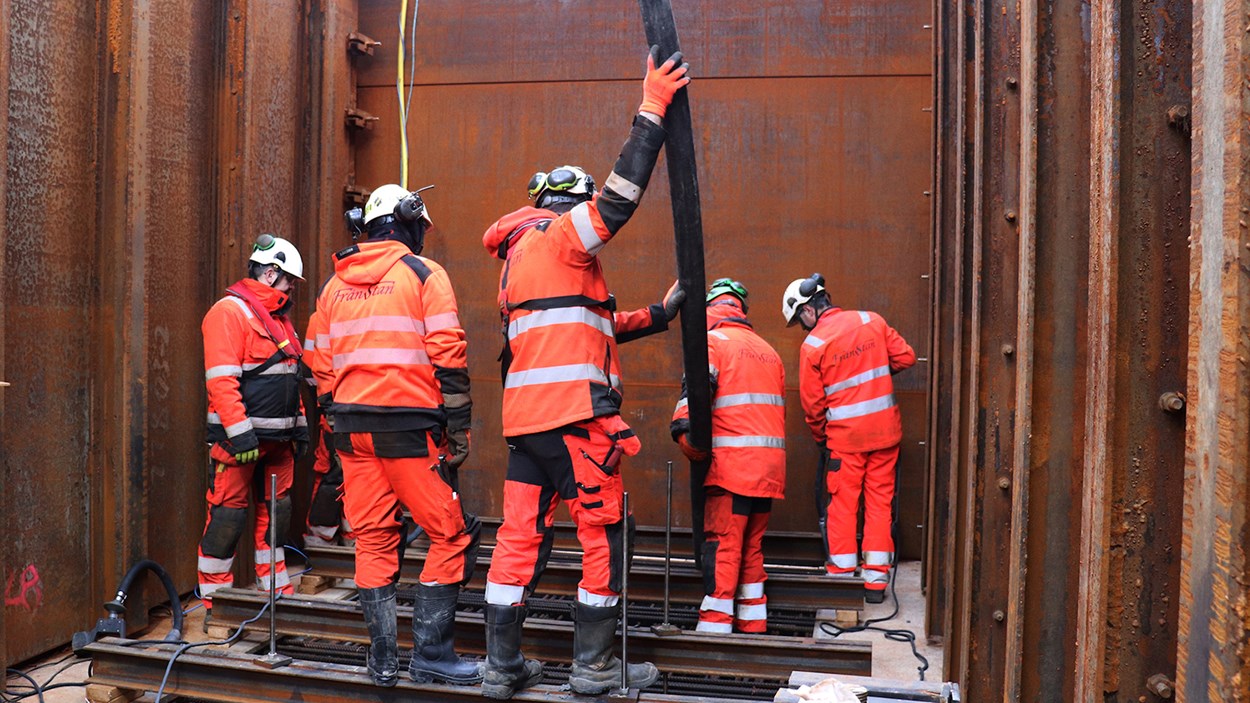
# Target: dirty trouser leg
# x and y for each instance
(844, 480)
(722, 530)
(751, 606)
(275, 458)
(878, 508)
(226, 517)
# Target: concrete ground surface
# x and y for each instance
(890, 659)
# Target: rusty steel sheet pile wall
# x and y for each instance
(813, 125)
(1213, 652)
(147, 142)
(1063, 160)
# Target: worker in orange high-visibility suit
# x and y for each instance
(399, 387)
(562, 399)
(846, 368)
(255, 415)
(326, 524)
(748, 468)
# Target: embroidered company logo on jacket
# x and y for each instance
(382, 288)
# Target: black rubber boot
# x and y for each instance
(595, 668)
(434, 655)
(506, 671)
(378, 605)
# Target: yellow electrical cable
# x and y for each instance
(399, 91)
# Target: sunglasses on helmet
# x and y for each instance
(561, 179)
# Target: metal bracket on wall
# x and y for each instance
(355, 195)
(358, 119)
(358, 43)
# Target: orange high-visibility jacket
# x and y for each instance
(846, 384)
(246, 389)
(561, 363)
(317, 353)
(393, 339)
(748, 408)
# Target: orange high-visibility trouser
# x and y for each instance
(578, 464)
(733, 562)
(375, 485)
(326, 522)
(228, 492)
(848, 472)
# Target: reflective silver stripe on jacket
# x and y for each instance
(749, 441)
(868, 407)
(224, 370)
(863, 316)
(586, 229)
(376, 323)
(729, 401)
(624, 188)
(382, 355)
(558, 316)
(558, 374)
(247, 310)
(858, 379)
(814, 341)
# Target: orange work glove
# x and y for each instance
(661, 83)
(692, 452)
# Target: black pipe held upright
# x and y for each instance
(683, 181)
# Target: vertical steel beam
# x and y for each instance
(945, 350)
(120, 320)
(5, 523)
(1213, 662)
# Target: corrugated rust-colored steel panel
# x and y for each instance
(1213, 657)
(4, 290)
(824, 173)
(180, 131)
(50, 229)
(581, 40)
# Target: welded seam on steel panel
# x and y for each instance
(1025, 301)
(1100, 392)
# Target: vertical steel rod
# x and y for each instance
(668, 538)
(273, 581)
(625, 592)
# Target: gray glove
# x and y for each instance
(673, 300)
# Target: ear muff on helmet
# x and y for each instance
(355, 220)
(812, 285)
(570, 181)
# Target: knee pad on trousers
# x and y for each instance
(617, 563)
(710, 547)
(225, 526)
(283, 518)
(326, 510)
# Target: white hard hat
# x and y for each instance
(276, 251)
(799, 292)
(398, 202)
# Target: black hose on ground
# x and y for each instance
(115, 624)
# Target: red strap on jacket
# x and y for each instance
(281, 333)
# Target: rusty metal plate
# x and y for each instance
(584, 40)
(48, 320)
(818, 173)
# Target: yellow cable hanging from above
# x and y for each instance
(399, 91)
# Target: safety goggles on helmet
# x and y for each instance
(728, 286)
(566, 179)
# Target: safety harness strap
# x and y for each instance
(281, 333)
